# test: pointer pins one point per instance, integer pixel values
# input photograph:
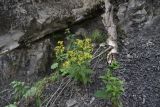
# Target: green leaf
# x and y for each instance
(114, 65)
(101, 94)
(31, 92)
(54, 66)
(64, 72)
(38, 101)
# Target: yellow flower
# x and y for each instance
(73, 59)
(79, 43)
(60, 42)
(88, 41)
(71, 53)
(79, 63)
(59, 49)
(66, 64)
(81, 58)
(79, 55)
(87, 55)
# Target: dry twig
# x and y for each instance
(52, 105)
(60, 86)
(108, 49)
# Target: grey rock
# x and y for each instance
(92, 100)
(71, 103)
(31, 20)
(25, 63)
(136, 13)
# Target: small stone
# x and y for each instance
(71, 103)
(144, 99)
(129, 56)
(92, 99)
(102, 45)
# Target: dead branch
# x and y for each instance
(52, 105)
(106, 50)
(60, 86)
(111, 28)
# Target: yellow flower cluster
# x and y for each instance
(85, 45)
(59, 49)
(80, 54)
(66, 64)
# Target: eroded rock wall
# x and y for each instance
(23, 23)
(26, 64)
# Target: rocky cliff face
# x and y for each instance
(23, 23)
(137, 14)
(25, 53)
(28, 20)
(25, 63)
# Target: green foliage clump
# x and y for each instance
(60, 52)
(23, 91)
(97, 36)
(19, 89)
(41, 84)
(75, 59)
(113, 87)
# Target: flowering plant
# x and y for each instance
(75, 60)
